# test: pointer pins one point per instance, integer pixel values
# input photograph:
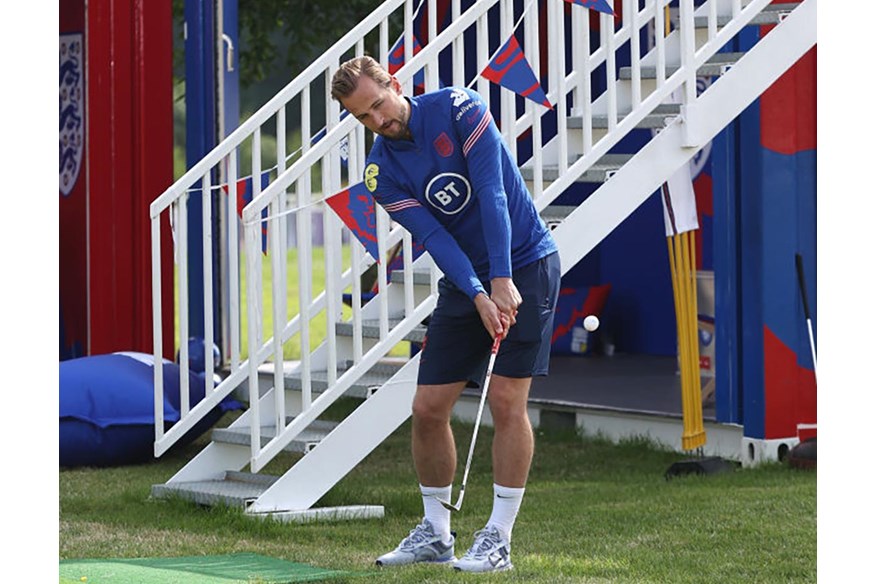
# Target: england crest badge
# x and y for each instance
(71, 93)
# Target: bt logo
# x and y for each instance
(448, 192)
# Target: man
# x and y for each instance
(441, 169)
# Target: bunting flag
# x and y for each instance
(355, 206)
(597, 5)
(244, 194)
(510, 69)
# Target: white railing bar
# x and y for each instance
(158, 364)
(713, 19)
(274, 446)
(207, 255)
(253, 239)
(182, 209)
(383, 55)
(331, 290)
(233, 261)
(660, 23)
(303, 234)
(559, 60)
(407, 254)
(606, 23)
(632, 13)
(530, 28)
(382, 297)
(284, 198)
(587, 89)
(431, 75)
(357, 164)
(278, 304)
(483, 57)
(458, 47)
(688, 50)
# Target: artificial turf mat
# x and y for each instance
(226, 569)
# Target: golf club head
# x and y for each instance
(450, 506)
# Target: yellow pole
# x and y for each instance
(694, 435)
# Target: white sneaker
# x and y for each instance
(490, 552)
(421, 545)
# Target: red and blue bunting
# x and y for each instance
(355, 207)
(510, 69)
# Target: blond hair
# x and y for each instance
(346, 78)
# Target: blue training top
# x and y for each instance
(457, 189)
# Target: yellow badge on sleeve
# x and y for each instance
(371, 172)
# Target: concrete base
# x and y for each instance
(756, 451)
(347, 513)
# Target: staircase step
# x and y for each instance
(599, 172)
(371, 330)
(303, 443)
(715, 66)
(362, 387)
(422, 277)
(234, 489)
(553, 215)
(656, 119)
(771, 14)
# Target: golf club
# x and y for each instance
(493, 352)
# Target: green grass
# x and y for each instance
(593, 512)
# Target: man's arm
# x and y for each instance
(447, 255)
(482, 149)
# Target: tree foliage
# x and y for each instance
(286, 34)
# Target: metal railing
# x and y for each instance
(290, 190)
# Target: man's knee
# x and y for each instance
(433, 405)
(508, 402)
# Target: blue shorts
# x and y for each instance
(457, 346)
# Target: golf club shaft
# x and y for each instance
(493, 352)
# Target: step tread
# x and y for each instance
(712, 67)
(371, 330)
(234, 489)
(771, 14)
(597, 173)
(655, 119)
(315, 432)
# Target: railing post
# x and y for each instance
(688, 65)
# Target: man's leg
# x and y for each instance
(432, 444)
(434, 453)
(513, 442)
(434, 450)
(513, 447)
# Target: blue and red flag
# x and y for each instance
(355, 206)
(510, 69)
(244, 194)
(597, 5)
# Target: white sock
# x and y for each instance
(435, 512)
(506, 504)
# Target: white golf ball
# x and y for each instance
(591, 323)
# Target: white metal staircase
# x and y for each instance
(351, 358)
